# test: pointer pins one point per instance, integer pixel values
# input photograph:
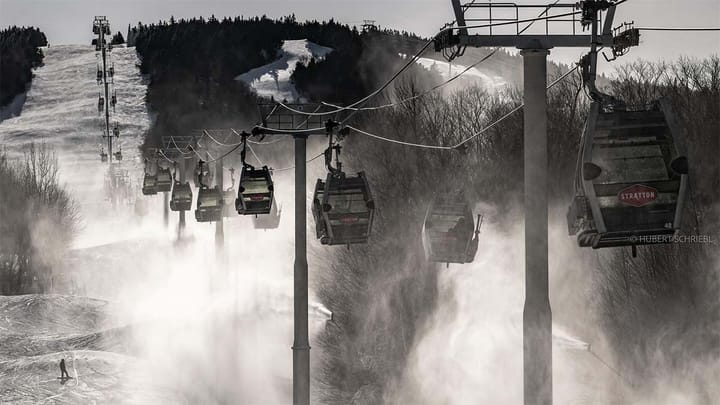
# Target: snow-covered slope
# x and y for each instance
(184, 326)
(273, 79)
(36, 331)
(474, 75)
(61, 106)
(61, 110)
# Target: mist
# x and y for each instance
(144, 312)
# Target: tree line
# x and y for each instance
(658, 313)
(19, 54)
(192, 65)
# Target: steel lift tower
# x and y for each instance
(105, 74)
(177, 148)
(278, 120)
(587, 24)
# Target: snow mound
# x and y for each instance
(273, 79)
(56, 314)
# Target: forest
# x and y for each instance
(658, 312)
(19, 54)
(654, 312)
(199, 60)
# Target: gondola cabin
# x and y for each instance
(181, 198)
(343, 209)
(449, 234)
(164, 180)
(209, 205)
(631, 181)
(255, 194)
(268, 221)
(149, 184)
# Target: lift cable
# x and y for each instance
(285, 168)
(402, 142)
(221, 156)
(291, 131)
(531, 22)
(238, 146)
(266, 143)
(397, 74)
(423, 94)
(369, 96)
(256, 156)
(678, 28)
(414, 59)
(475, 135)
(450, 80)
(307, 161)
(208, 155)
(206, 132)
(172, 138)
(165, 156)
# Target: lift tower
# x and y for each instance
(105, 74)
(510, 25)
(284, 120)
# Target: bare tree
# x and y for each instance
(39, 220)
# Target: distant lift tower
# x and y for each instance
(107, 98)
(179, 149)
(511, 25)
(369, 25)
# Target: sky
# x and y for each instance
(70, 21)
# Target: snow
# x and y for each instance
(474, 76)
(171, 317)
(39, 330)
(475, 338)
(61, 110)
(273, 79)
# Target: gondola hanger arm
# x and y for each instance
(243, 152)
(479, 222)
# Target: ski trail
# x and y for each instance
(77, 377)
(50, 397)
(274, 79)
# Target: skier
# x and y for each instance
(63, 371)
